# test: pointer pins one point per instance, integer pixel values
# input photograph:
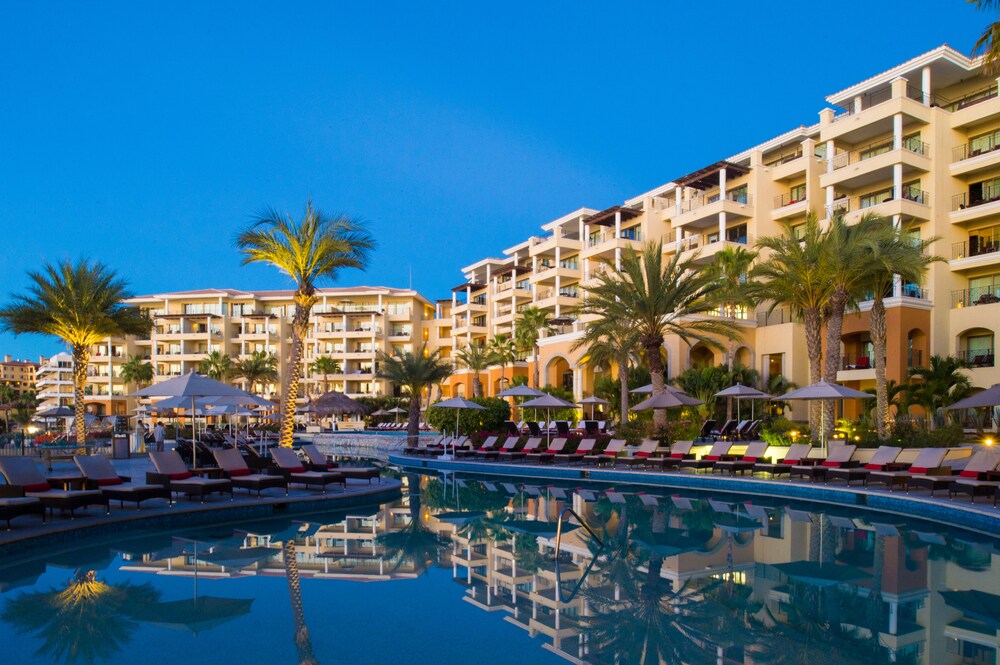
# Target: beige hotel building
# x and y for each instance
(917, 143)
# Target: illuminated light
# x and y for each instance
(32, 429)
(988, 441)
(857, 438)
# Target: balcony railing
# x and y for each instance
(915, 358)
(984, 241)
(788, 199)
(857, 362)
(784, 158)
(776, 317)
(914, 145)
(963, 201)
(983, 295)
(607, 236)
(983, 146)
(868, 100)
(873, 199)
(978, 357)
(738, 196)
(970, 99)
(702, 240)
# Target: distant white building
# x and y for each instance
(54, 381)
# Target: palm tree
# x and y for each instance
(730, 267)
(413, 542)
(315, 248)
(938, 385)
(24, 408)
(82, 304)
(657, 300)
(217, 365)
(259, 368)
(303, 642)
(137, 370)
(413, 372)
(326, 366)
(477, 357)
(504, 353)
(793, 275)
(617, 344)
(7, 397)
(989, 42)
(890, 252)
(526, 333)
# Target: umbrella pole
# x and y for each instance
(194, 437)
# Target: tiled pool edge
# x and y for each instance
(65, 532)
(957, 514)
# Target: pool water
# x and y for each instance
(460, 569)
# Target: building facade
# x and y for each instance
(917, 143)
(18, 374)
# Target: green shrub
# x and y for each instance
(778, 432)
(471, 421)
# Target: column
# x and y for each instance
(618, 224)
(586, 235)
(829, 202)
(577, 384)
(722, 196)
(558, 280)
(857, 104)
(830, 150)
(897, 281)
(618, 259)
(678, 201)
(678, 237)
(897, 131)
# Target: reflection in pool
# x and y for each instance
(664, 577)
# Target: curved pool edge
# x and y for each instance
(59, 531)
(979, 517)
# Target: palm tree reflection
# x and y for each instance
(413, 543)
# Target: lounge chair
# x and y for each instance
(235, 468)
(530, 446)
(882, 460)
(797, 452)
(976, 471)
(752, 431)
(99, 474)
(984, 484)
(548, 455)
(507, 446)
(754, 452)
(171, 473)
(724, 431)
(717, 453)
(606, 456)
(254, 459)
(680, 451)
(16, 506)
(737, 434)
(639, 457)
(590, 427)
(25, 480)
(927, 461)
(511, 428)
(421, 448)
(295, 471)
(533, 428)
(602, 426)
(839, 456)
(562, 428)
(489, 444)
(582, 450)
(706, 431)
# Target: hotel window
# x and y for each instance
(985, 191)
(737, 234)
(524, 284)
(632, 233)
(796, 194)
(984, 143)
(983, 290)
(739, 194)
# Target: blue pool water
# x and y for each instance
(461, 569)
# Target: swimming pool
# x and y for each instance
(462, 569)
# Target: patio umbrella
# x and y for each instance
(741, 392)
(334, 403)
(191, 386)
(396, 411)
(56, 412)
(666, 400)
(521, 391)
(458, 404)
(548, 402)
(822, 390)
(984, 398)
(680, 394)
(193, 615)
(592, 401)
(380, 412)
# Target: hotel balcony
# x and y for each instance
(874, 163)
(477, 305)
(703, 211)
(605, 243)
(789, 166)
(980, 250)
(507, 290)
(970, 158)
(565, 270)
(363, 332)
(703, 247)
(970, 207)
(858, 367)
(357, 375)
(787, 206)
(876, 116)
(464, 327)
(566, 297)
(978, 358)
(549, 244)
(914, 204)
(974, 108)
(987, 295)
(332, 332)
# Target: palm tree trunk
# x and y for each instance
(814, 348)
(413, 417)
(303, 643)
(300, 328)
(655, 363)
(538, 360)
(831, 364)
(477, 385)
(81, 360)
(623, 373)
(878, 333)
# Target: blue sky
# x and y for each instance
(147, 136)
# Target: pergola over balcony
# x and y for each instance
(708, 177)
(517, 270)
(607, 217)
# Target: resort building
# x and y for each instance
(54, 381)
(18, 374)
(916, 143)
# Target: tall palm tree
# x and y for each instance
(891, 252)
(413, 372)
(940, 384)
(258, 369)
(504, 352)
(81, 303)
(312, 249)
(530, 321)
(612, 344)
(657, 299)
(217, 365)
(730, 267)
(325, 365)
(303, 642)
(988, 43)
(137, 370)
(792, 274)
(476, 357)
(7, 396)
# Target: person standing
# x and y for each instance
(159, 436)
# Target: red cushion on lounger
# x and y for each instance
(104, 482)
(37, 487)
(676, 455)
(873, 467)
(641, 453)
(749, 459)
(831, 464)
(610, 453)
(240, 472)
(711, 458)
(297, 469)
(969, 474)
(793, 462)
(551, 451)
(918, 469)
(180, 476)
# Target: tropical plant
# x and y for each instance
(490, 419)
(730, 267)
(24, 408)
(610, 389)
(413, 372)
(526, 333)
(657, 299)
(303, 642)
(616, 344)
(217, 365)
(137, 370)
(940, 384)
(413, 542)
(504, 353)
(792, 274)
(891, 252)
(703, 383)
(895, 395)
(324, 366)
(7, 396)
(81, 303)
(257, 369)
(988, 43)
(476, 357)
(312, 249)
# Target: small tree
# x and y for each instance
(137, 370)
(476, 357)
(526, 334)
(504, 352)
(258, 369)
(217, 365)
(414, 372)
(325, 365)
(940, 384)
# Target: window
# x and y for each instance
(984, 289)
(797, 193)
(985, 191)
(737, 234)
(984, 143)
(739, 194)
(631, 233)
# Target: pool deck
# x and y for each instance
(29, 531)
(980, 516)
